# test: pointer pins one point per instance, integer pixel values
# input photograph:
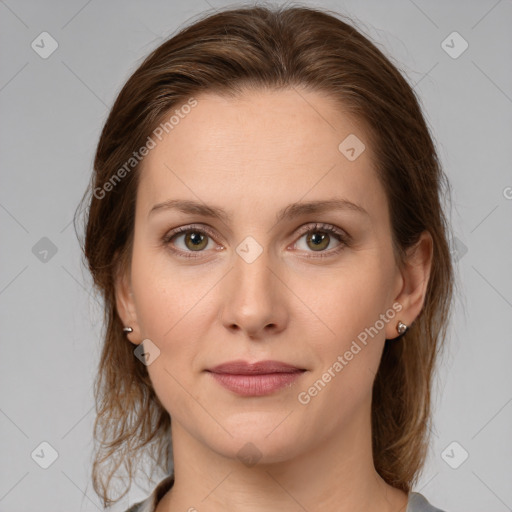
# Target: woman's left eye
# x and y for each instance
(317, 239)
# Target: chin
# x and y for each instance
(258, 442)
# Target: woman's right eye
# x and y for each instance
(188, 240)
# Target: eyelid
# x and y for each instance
(326, 227)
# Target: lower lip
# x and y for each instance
(256, 385)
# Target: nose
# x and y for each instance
(254, 299)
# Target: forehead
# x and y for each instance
(259, 148)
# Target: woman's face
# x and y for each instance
(258, 278)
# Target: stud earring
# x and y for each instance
(127, 330)
(401, 328)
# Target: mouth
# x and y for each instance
(255, 379)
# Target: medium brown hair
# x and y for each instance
(229, 52)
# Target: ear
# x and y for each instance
(125, 304)
(413, 283)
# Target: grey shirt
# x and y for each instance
(416, 503)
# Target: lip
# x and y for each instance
(255, 379)
(240, 367)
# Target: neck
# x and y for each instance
(335, 475)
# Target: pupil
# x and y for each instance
(196, 238)
(318, 239)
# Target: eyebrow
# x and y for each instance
(291, 211)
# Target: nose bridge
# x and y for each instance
(252, 276)
(254, 302)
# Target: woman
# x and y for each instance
(265, 226)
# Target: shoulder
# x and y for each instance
(146, 505)
(150, 503)
(137, 507)
(418, 503)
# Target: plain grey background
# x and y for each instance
(52, 111)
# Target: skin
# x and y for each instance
(253, 156)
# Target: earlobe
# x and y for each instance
(415, 276)
(126, 307)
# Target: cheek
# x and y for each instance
(350, 331)
(167, 310)
(165, 296)
(346, 300)
(171, 305)
(170, 315)
(349, 350)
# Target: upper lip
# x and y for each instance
(240, 367)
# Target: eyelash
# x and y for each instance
(341, 236)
